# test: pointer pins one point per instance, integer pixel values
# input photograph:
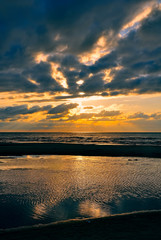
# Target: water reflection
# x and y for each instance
(92, 209)
(39, 211)
(41, 189)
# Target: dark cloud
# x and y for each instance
(82, 23)
(77, 22)
(141, 115)
(105, 62)
(15, 82)
(15, 111)
(65, 29)
(93, 84)
(140, 62)
(81, 116)
(20, 81)
(105, 94)
(142, 84)
(139, 54)
(62, 108)
(156, 116)
(150, 32)
(41, 74)
(72, 70)
(103, 115)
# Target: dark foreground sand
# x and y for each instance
(138, 226)
(79, 149)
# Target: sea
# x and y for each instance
(40, 189)
(83, 138)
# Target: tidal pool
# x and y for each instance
(44, 189)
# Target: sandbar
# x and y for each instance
(12, 149)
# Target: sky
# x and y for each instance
(75, 65)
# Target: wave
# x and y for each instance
(153, 139)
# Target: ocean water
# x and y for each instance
(84, 138)
(44, 189)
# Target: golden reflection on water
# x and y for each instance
(89, 182)
(39, 211)
(92, 209)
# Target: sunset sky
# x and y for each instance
(75, 65)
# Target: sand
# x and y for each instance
(138, 226)
(79, 149)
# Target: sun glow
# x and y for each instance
(135, 22)
(108, 75)
(58, 75)
(100, 49)
(80, 82)
(41, 57)
(107, 78)
(33, 82)
(141, 16)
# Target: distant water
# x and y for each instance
(84, 138)
(44, 189)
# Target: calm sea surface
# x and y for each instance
(84, 138)
(43, 189)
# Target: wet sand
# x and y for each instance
(139, 225)
(79, 149)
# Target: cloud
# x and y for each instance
(41, 74)
(141, 115)
(86, 50)
(82, 23)
(15, 82)
(139, 55)
(15, 111)
(62, 108)
(105, 113)
(135, 64)
(89, 107)
(106, 62)
(156, 116)
(93, 84)
(66, 29)
(81, 116)
(101, 116)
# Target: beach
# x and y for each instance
(80, 120)
(84, 167)
(10, 149)
(132, 226)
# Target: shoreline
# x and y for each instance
(135, 225)
(17, 149)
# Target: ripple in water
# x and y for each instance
(50, 188)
